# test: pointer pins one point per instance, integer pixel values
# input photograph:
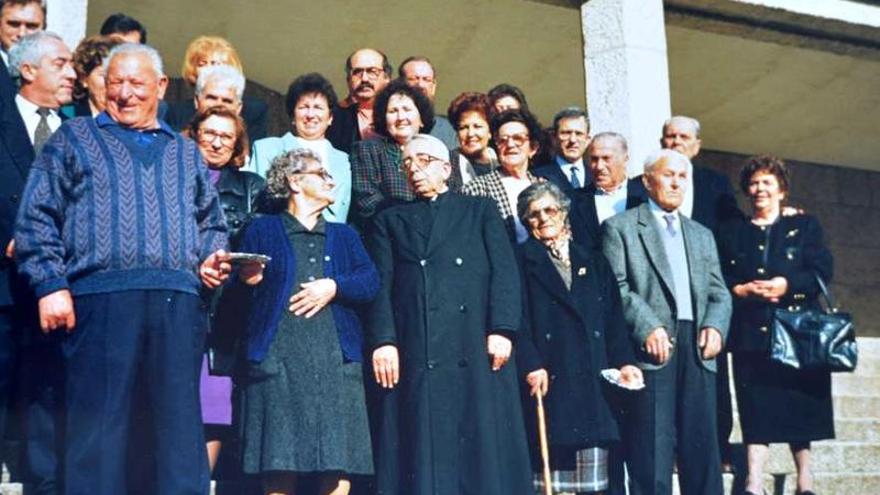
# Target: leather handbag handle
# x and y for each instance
(825, 293)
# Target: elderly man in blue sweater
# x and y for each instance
(118, 228)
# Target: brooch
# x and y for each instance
(582, 271)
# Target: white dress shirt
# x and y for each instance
(687, 205)
(611, 203)
(28, 112)
(566, 167)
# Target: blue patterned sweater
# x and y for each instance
(108, 208)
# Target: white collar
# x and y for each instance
(25, 106)
(565, 164)
(660, 213)
(620, 189)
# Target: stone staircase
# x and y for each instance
(847, 465)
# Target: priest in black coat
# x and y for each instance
(441, 331)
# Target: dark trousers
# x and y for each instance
(8, 354)
(725, 406)
(154, 337)
(675, 413)
(42, 402)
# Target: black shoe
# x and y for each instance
(808, 492)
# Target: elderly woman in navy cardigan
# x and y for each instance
(303, 399)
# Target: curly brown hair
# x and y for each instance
(89, 55)
(469, 101)
(241, 149)
(767, 164)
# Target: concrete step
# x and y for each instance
(865, 430)
(856, 407)
(846, 429)
(824, 484)
(855, 385)
(834, 456)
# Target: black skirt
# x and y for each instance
(778, 404)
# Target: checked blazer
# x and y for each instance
(377, 181)
(490, 186)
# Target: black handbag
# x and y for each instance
(814, 338)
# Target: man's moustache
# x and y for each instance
(365, 85)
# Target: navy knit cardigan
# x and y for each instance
(345, 261)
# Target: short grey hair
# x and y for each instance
(665, 155)
(537, 191)
(683, 119)
(283, 166)
(30, 49)
(133, 49)
(611, 136)
(223, 74)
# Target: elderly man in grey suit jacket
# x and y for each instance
(677, 309)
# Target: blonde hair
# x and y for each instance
(203, 47)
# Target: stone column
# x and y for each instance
(68, 19)
(627, 72)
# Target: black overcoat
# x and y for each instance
(573, 335)
(449, 278)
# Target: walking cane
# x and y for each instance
(545, 450)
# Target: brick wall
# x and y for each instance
(847, 203)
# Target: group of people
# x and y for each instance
(373, 300)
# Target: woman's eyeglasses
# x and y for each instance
(323, 174)
(516, 139)
(209, 135)
(547, 211)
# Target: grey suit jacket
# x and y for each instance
(631, 242)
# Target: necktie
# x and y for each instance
(670, 224)
(42, 133)
(575, 182)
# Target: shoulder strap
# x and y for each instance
(825, 292)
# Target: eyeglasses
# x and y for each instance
(372, 72)
(209, 135)
(421, 161)
(517, 139)
(547, 211)
(323, 174)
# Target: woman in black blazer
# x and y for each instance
(770, 261)
(573, 328)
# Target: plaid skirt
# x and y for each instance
(590, 474)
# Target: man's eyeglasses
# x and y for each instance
(209, 135)
(372, 72)
(547, 211)
(420, 162)
(516, 139)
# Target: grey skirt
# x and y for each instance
(303, 407)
